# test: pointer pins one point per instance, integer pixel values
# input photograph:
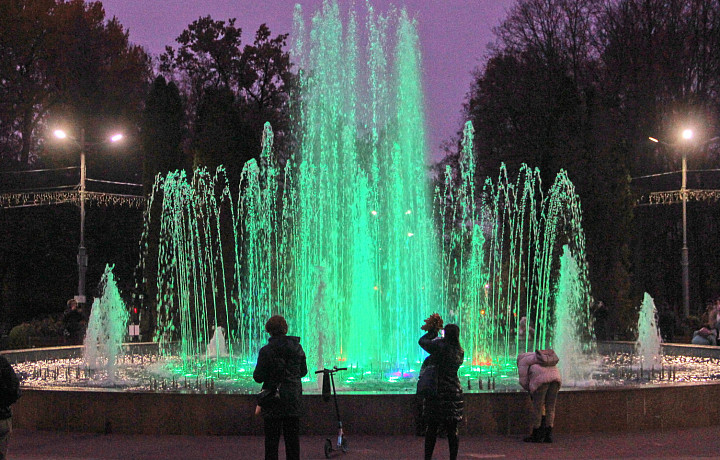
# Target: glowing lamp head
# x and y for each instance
(60, 134)
(687, 134)
(116, 137)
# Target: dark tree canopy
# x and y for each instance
(60, 61)
(208, 56)
(211, 65)
(217, 137)
(162, 130)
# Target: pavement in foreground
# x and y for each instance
(667, 444)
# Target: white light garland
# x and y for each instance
(675, 196)
(42, 198)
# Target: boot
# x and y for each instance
(536, 436)
(548, 435)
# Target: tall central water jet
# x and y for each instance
(364, 208)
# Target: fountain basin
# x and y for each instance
(501, 411)
(646, 407)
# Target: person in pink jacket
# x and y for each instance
(538, 374)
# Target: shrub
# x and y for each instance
(19, 336)
(47, 328)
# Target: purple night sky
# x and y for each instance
(454, 35)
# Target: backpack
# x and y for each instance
(9, 384)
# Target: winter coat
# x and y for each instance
(9, 388)
(73, 323)
(448, 404)
(282, 361)
(536, 368)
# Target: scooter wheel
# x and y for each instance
(328, 448)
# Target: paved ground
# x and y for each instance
(671, 444)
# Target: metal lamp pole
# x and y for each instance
(683, 147)
(684, 252)
(82, 257)
(684, 258)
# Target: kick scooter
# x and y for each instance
(342, 444)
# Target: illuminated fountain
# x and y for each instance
(348, 242)
(345, 239)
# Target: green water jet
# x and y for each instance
(346, 239)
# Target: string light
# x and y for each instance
(40, 198)
(675, 196)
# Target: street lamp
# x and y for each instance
(82, 258)
(687, 135)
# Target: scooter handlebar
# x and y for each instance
(334, 369)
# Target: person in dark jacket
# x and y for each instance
(282, 361)
(9, 393)
(73, 322)
(445, 408)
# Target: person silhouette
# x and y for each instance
(281, 364)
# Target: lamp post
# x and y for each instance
(82, 257)
(683, 145)
(684, 259)
(687, 136)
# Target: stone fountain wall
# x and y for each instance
(506, 413)
(642, 407)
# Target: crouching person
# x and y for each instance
(704, 336)
(538, 374)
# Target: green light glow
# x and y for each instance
(347, 241)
